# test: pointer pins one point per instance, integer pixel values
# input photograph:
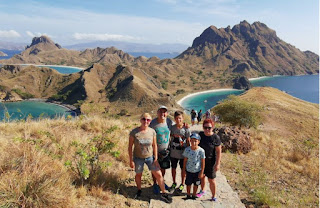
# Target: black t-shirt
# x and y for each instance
(209, 144)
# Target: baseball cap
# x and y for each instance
(195, 136)
(163, 107)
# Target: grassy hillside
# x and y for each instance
(283, 168)
(83, 162)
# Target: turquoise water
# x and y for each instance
(305, 87)
(63, 69)
(21, 110)
(207, 100)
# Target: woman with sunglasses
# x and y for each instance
(143, 138)
(211, 144)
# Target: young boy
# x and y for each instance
(193, 165)
(180, 139)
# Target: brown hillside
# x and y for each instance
(39, 82)
(284, 163)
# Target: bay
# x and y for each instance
(21, 110)
(305, 87)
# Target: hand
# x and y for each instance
(131, 164)
(186, 125)
(201, 175)
(216, 167)
(156, 163)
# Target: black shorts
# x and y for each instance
(208, 169)
(199, 119)
(192, 178)
(174, 163)
(164, 162)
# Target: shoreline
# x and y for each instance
(72, 67)
(179, 102)
(68, 107)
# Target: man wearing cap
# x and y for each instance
(162, 125)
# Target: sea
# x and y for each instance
(10, 111)
(305, 87)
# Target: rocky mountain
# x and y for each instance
(250, 50)
(218, 58)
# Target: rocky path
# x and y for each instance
(227, 198)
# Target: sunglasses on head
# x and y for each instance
(207, 127)
(146, 119)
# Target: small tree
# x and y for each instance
(239, 112)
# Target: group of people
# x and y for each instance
(198, 116)
(160, 144)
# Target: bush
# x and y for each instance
(23, 95)
(239, 112)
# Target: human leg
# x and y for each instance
(212, 183)
(138, 180)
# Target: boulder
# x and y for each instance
(234, 139)
(242, 83)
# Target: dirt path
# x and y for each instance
(225, 195)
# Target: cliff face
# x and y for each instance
(250, 50)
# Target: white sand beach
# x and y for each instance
(203, 92)
(73, 67)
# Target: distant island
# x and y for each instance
(3, 54)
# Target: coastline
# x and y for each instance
(179, 102)
(70, 108)
(72, 67)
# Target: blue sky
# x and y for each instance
(154, 21)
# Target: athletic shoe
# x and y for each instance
(190, 197)
(201, 194)
(166, 198)
(180, 188)
(214, 199)
(138, 194)
(166, 187)
(173, 186)
(156, 189)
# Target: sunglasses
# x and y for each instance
(207, 127)
(146, 119)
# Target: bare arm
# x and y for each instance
(131, 140)
(202, 168)
(184, 164)
(155, 148)
(218, 158)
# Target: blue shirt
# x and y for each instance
(194, 159)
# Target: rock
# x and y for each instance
(234, 140)
(3, 54)
(242, 83)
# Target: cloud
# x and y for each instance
(37, 34)
(104, 37)
(9, 34)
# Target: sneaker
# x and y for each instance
(173, 186)
(214, 199)
(190, 197)
(201, 194)
(166, 187)
(138, 194)
(180, 188)
(166, 198)
(156, 189)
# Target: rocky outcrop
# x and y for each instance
(251, 50)
(3, 54)
(234, 139)
(242, 83)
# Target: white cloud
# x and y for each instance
(37, 34)
(9, 34)
(104, 37)
(30, 34)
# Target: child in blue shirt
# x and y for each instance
(193, 165)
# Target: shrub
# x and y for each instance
(236, 111)
(23, 95)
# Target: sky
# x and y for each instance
(69, 22)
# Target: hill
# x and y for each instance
(216, 58)
(3, 54)
(284, 163)
(249, 49)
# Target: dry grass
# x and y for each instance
(283, 167)
(33, 154)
